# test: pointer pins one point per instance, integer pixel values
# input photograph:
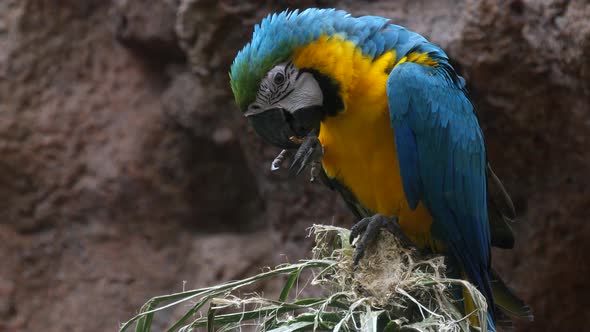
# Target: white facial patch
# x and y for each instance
(307, 92)
(285, 87)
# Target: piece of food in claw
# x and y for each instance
(316, 163)
(315, 171)
(296, 140)
(276, 163)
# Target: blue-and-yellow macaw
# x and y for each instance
(400, 137)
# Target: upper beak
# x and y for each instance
(273, 126)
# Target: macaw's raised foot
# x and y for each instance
(370, 227)
(310, 153)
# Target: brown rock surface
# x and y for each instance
(126, 169)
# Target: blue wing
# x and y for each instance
(442, 160)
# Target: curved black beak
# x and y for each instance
(277, 126)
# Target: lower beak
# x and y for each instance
(272, 125)
(278, 127)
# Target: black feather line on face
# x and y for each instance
(270, 92)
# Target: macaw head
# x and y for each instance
(288, 102)
(280, 100)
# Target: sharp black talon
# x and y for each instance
(370, 228)
(305, 161)
(276, 163)
(358, 228)
(309, 153)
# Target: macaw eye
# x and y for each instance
(279, 78)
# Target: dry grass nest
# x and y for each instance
(392, 289)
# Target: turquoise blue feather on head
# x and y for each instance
(273, 41)
(278, 35)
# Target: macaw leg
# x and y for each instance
(370, 227)
(310, 153)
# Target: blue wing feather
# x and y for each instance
(442, 161)
(411, 180)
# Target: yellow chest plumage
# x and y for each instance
(359, 143)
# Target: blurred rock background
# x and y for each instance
(127, 172)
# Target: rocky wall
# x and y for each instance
(128, 172)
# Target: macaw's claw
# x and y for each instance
(278, 161)
(310, 153)
(370, 227)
